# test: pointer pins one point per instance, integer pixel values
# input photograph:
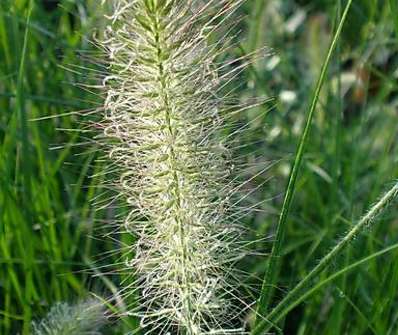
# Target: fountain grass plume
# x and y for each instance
(164, 115)
(84, 318)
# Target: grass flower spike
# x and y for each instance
(163, 118)
(84, 318)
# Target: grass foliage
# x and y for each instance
(52, 224)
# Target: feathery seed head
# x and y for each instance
(164, 110)
(84, 318)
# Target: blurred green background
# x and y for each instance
(50, 227)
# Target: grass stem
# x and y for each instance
(271, 275)
(293, 297)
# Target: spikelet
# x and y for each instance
(163, 117)
(84, 318)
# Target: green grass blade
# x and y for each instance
(336, 275)
(394, 11)
(20, 101)
(271, 275)
(294, 295)
(26, 172)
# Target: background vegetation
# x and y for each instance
(51, 222)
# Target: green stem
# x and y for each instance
(335, 275)
(293, 297)
(271, 274)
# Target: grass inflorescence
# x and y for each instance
(84, 318)
(164, 107)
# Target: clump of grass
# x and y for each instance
(295, 295)
(164, 115)
(266, 321)
(84, 318)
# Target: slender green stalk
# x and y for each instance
(26, 172)
(20, 100)
(335, 275)
(271, 275)
(294, 295)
